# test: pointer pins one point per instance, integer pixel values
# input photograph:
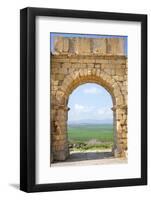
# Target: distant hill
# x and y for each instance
(91, 121)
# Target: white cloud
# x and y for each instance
(92, 90)
(78, 107)
(83, 109)
(81, 112)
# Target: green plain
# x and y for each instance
(90, 136)
(86, 132)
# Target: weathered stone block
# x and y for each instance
(86, 46)
(120, 72)
(98, 66)
(66, 65)
(90, 65)
(60, 76)
(99, 46)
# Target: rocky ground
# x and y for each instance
(79, 158)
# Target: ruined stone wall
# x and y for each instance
(87, 46)
(83, 60)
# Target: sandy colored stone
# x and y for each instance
(86, 46)
(99, 46)
(76, 62)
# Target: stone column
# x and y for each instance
(114, 130)
(59, 142)
(120, 146)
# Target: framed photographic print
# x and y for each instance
(83, 99)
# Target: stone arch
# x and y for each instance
(60, 144)
(94, 76)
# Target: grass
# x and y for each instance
(90, 136)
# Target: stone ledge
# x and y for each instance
(78, 45)
(88, 56)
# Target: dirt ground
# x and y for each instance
(90, 158)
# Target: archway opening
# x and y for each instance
(90, 125)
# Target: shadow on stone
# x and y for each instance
(81, 156)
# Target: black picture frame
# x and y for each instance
(28, 98)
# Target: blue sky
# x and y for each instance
(90, 101)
